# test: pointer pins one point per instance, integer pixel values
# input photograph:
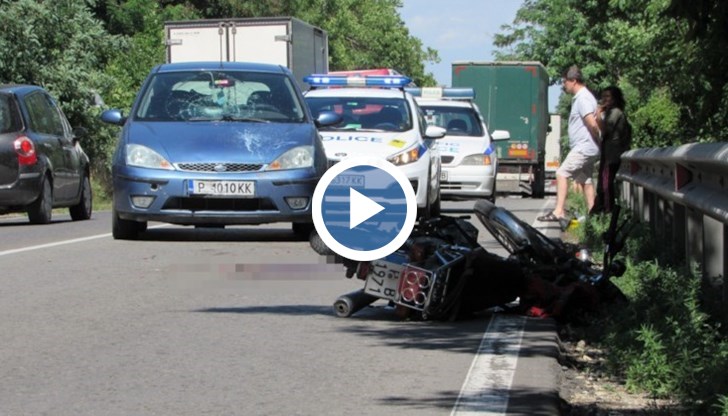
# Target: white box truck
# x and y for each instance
(286, 41)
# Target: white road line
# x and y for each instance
(64, 242)
(487, 386)
(57, 243)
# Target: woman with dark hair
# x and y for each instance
(616, 139)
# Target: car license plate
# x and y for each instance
(348, 181)
(383, 280)
(222, 188)
(443, 175)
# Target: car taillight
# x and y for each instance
(25, 149)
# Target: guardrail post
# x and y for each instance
(682, 192)
(694, 240)
(679, 227)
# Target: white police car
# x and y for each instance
(380, 119)
(469, 161)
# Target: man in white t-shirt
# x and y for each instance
(583, 147)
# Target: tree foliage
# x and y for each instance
(667, 53)
(362, 33)
(80, 49)
(141, 22)
(63, 47)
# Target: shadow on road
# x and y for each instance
(219, 234)
(294, 310)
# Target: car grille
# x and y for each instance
(446, 159)
(219, 167)
(220, 204)
(457, 186)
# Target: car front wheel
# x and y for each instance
(123, 229)
(39, 212)
(435, 207)
(302, 229)
(82, 211)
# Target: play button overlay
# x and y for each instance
(364, 208)
(361, 208)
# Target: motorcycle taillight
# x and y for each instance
(414, 285)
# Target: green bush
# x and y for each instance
(663, 343)
(656, 124)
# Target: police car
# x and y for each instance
(469, 161)
(380, 119)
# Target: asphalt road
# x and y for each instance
(222, 322)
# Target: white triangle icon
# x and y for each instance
(361, 208)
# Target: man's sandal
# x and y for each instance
(550, 217)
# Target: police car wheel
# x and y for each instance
(435, 208)
(318, 245)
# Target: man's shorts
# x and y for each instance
(578, 166)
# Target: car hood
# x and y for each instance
(220, 141)
(461, 145)
(343, 144)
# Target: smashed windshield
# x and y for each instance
(364, 113)
(458, 121)
(220, 96)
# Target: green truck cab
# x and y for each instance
(512, 96)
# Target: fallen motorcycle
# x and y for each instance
(442, 273)
(567, 270)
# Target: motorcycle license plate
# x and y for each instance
(383, 280)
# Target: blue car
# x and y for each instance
(216, 143)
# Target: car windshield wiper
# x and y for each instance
(249, 119)
(229, 118)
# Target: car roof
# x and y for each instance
(217, 65)
(19, 88)
(356, 92)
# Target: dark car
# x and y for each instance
(42, 165)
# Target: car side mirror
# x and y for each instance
(113, 116)
(435, 132)
(328, 118)
(500, 135)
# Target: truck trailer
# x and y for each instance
(285, 41)
(512, 96)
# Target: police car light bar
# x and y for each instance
(388, 81)
(440, 93)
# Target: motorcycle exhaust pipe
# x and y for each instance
(348, 304)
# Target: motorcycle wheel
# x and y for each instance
(517, 237)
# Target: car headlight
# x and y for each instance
(407, 156)
(476, 160)
(296, 158)
(144, 157)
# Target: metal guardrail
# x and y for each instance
(682, 192)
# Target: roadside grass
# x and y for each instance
(664, 342)
(101, 194)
